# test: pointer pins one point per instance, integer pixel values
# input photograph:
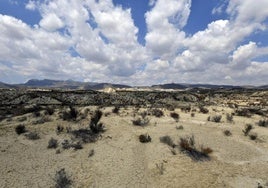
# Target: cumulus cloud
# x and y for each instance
(31, 5)
(165, 22)
(97, 41)
(51, 22)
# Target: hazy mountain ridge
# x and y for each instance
(71, 84)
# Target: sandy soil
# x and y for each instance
(120, 160)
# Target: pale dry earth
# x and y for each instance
(120, 160)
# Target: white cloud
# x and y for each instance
(164, 22)
(103, 38)
(51, 22)
(31, 5)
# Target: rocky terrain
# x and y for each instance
(134, 138)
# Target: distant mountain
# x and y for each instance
(71, 84)
(185, 86)
(6, 86)
(105, 85)
(263, 87)
(66, 84)
(170, 86)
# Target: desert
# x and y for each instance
(134, 138)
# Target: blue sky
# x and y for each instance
(135, 42)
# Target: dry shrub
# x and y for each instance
(247, 129)
(263, 123)
(20, 129)
(141, 121)
(203, 110)
(167, 140)
(32, 136)
(187, 145)
(229, 117)
(144, 138)
(227, 133)
(157, 112)
(175, 116)
(62, 180)
(52, 143)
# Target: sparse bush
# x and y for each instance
(32, 136)
(175, 116)
(91, 153)
(247, 129)
(86, 135)
(157, 112)
(140, 121)
(77, 145)
(144, 138)
(206, 150)
(94, 124)
(192, 114)
(179, 127)
(49, 111)
(263, 123)
(187, 145)
(59, 129)
(229, 117)
(243, 112)
(170, 107)
(216, 118)
(62, 180)
(203, 110)
(36, 114)
(70, 114)
(253, 136)
(41, 120)
(116, 109)
(20, 129)
(66, 144)
(227, 133)
(52, 143)
(186, 109)
(167, 140)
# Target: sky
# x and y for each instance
(135, 42)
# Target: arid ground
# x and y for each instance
(107, 152)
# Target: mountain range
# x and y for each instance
(71, 84)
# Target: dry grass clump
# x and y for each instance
(49, 111)
(157, 112)
(70, 114)
(216, 118)
(253, 136)
(20, 129)
(186, 109)
(187, 145)
(116, 109)
(144, 138)
(52, 143)
(32, 136)
(59, 129)
(167, 140)
(203, 110)
(247, 129)
(175, 116)
(243, 112)
(62, 179)
(92, 133)
(229, 118)
(263, 123)
(141, 121)
(227, 133)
